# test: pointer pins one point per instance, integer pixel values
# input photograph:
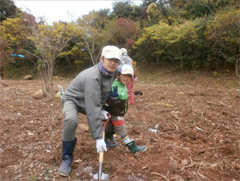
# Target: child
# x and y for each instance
(117, 105)
(127, 60)
(131, 99)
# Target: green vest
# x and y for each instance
(122, 90)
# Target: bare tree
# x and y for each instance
(47, 42)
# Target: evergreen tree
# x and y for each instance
(7, 9)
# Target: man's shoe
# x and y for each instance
(110, 140)
(67, 157)
(110, 143)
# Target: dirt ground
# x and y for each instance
(198, 134)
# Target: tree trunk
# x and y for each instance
(50, 77)
(1, 69)
(47, 74)
(181, 58)
(181, 64)
(237, 65)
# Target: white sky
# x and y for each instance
(64, 10)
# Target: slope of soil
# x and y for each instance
(197, 138)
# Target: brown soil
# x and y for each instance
(198, 136)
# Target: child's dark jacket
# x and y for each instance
(117, 102)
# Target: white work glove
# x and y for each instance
(101, 145)
(105, 115)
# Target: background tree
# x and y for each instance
(160, 10)
(146, 3)
(123, 9)
(182, 41)
(47, 42)
(223, 35)
(7, 9)
(193, 9)
(73, 57)
(95, 30)
(153, 12)
(175, 42)
(14, 31)
(4, 55)
(126, 33)
(154, 37)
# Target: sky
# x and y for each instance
(64, 10)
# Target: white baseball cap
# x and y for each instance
(111, 52)
(127, 69)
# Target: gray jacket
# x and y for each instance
(89, 90)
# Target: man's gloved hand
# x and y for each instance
(105, 115)
(114, 94)
(101, 145)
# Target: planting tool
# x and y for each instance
(100, 175)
